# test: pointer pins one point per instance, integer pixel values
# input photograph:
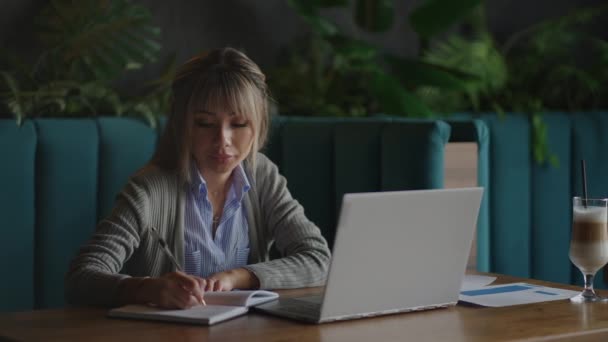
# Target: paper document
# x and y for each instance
(473, 281)
(514, 294)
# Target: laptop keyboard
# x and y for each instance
(302, 306)
(315, 299)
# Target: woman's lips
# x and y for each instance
(222, 157)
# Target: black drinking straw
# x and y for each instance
(584, 173)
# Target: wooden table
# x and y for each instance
(549, 321)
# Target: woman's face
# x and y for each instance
(220, 141)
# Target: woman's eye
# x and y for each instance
(240, 124)
(209, 124)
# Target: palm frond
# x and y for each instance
(477, 57)
(144, 110)
(13, 97)
(87, 34)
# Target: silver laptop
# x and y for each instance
(394, 252)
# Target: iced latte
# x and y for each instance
(589, 242)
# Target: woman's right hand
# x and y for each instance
(175, 290)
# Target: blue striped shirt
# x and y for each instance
(204, 253)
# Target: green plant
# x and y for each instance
(533, 72)
(85, 47)
(478, 57)
(331, 73)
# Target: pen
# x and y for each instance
(167, 251)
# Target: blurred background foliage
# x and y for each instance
(554, 65)
(84, 46)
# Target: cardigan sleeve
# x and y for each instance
(93, 275)
(305, 253)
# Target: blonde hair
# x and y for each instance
(222, 78)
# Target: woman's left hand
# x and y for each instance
(222, 281)
(238, 278)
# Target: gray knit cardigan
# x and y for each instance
(123, 245)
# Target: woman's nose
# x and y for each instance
(224, 136)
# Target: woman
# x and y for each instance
(207, 203)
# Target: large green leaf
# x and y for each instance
(413, 72)
(143, 109)
(374, 15)
(13, 97)
(321, 25)
(394, 99)
(478, 57)
(353, 53)
(129, 45)
(436, 16)
(540, 146)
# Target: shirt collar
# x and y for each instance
(240, 183)
(239, 187)
(197, 182)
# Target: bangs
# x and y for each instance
(222, 80)
(225, 92)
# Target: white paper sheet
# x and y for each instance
(473, 281)
(514, 294)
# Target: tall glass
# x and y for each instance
(589, 242)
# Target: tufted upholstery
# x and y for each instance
(60, 176)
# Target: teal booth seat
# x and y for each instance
(18, 150)
(530, 205)
(324, 158)
(60, 176)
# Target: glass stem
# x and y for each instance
(588, 291)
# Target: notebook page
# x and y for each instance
(205, 315)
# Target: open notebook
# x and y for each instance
(220, 307)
